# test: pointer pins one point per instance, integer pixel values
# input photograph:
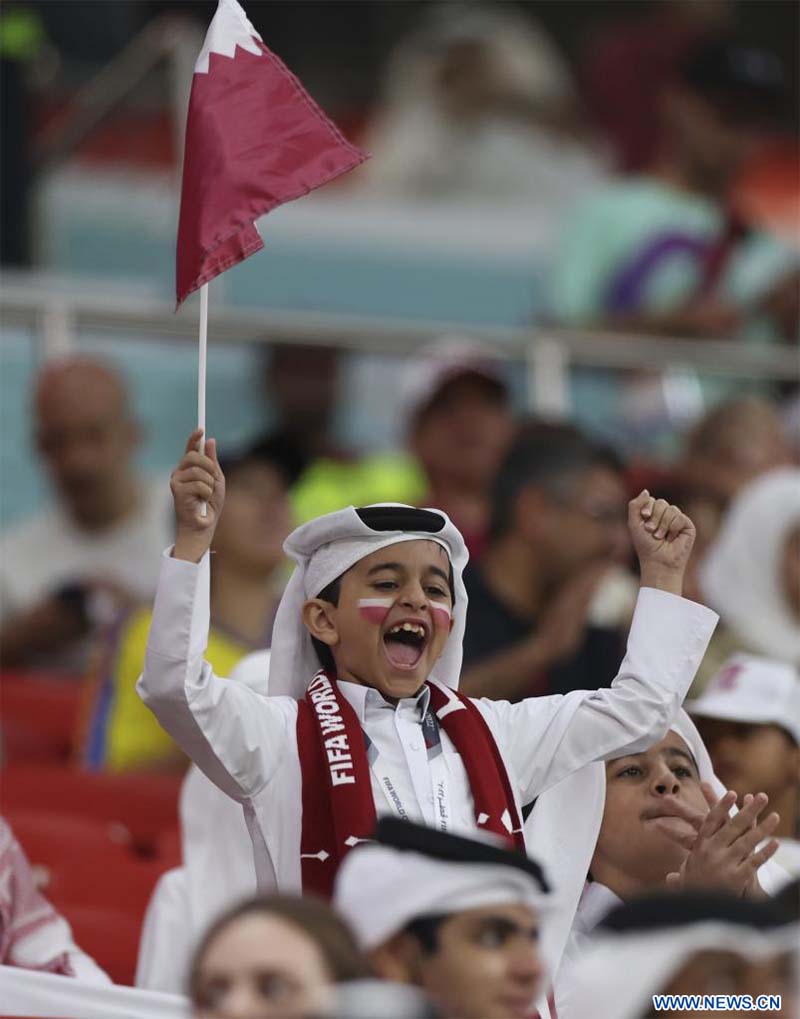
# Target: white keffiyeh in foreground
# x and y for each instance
(622, 970)
(380, 889)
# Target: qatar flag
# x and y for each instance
(254, 139)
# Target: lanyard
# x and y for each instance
(438, 812)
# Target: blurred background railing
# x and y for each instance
(582, 375)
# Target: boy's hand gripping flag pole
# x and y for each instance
(254, 140)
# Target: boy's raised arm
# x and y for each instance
(232, 733)
(550, 737)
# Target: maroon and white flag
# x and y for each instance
(254, 140)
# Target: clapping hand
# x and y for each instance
(725, 851)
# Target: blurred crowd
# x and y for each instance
(663, 158)
(551, 585)
(662, 151)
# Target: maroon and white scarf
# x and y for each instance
(338, 806)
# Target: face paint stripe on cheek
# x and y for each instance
(441, 616)
(374, 610)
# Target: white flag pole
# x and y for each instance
(201, 375)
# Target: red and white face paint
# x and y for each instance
(375, 610)
(442, 614)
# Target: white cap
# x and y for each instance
(448, 358)
(754, 690)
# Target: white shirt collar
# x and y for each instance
(366, 698)
(596, 901)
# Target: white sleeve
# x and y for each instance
(233, 734)
(544, 739)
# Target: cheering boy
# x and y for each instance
(377, 600)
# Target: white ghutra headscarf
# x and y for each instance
(741, 574)
(327, 547)
(624, 968)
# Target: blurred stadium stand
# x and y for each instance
(378, 279)
(552, 371)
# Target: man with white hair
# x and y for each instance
(457, 917)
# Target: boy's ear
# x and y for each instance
(319, 618)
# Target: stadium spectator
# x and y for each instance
(731, 445)
(384, 619)
(751, 574)
(694, 942)
(460, 424)
(302, 384)
(73, 565)
(666, 819)
(549, 601)
(301, 387)
(749, 718)
(665, 252)
(272, 958)
(479, 103)
(628, 64)
(249, 573)
(32, 934)
(458, 917)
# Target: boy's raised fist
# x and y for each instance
(663, 537)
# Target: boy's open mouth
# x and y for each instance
(404, 644)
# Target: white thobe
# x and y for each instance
(246, 742)
(597, 900)
(217, 870)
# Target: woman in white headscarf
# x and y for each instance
(751, 574)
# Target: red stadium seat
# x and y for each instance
(145, 805)
(80, 860)
(169, 851)
(109, 936)
(38, 715)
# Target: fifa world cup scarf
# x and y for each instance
(337, 801)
